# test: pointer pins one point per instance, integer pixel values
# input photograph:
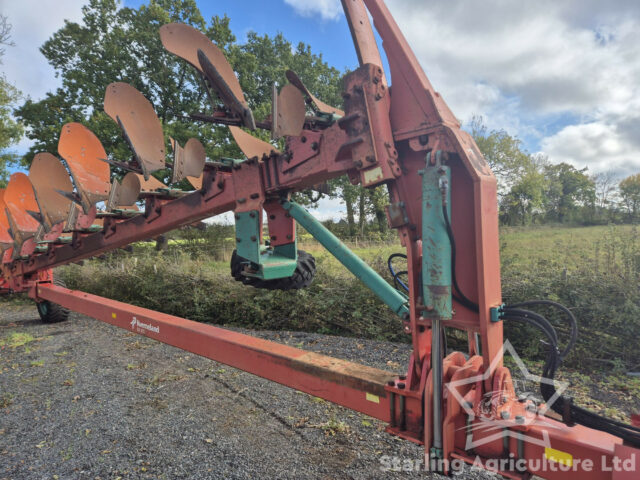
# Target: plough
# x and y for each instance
(462, 407)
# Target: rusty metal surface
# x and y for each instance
(290, 112)
(319, 105)
(159, 218)
(188, 161)
(378, 134)
(19, 198)
(184, 41)
(359, 387)
(196, 48)
(222, 85)
(139, 123)
(368, 101)
(124, 193)
(5, 239)
(251, 146)
(47, 174)
(196, 182)
(152, 184)
(361, 32)
(82, 152)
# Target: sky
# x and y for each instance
(563, 76)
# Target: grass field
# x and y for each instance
(601, 247)
(593, 270)
(520, 247)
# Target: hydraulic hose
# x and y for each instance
(562, 405)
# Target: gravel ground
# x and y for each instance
(84, 399)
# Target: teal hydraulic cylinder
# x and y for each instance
(436, 246)
(389, 295)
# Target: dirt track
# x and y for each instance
(87, 400)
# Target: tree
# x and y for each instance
(630, 194)
(10, 130)
(521, 183)
(348, 194)
(606, 195)
(524, 198)
(122, 44)
(379, 199)
(570, 194)
(504, 153)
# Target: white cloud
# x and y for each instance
(329, 209)
(600, 145)
(327, 9)
(563, 75)
(524, 65)
(33, 23)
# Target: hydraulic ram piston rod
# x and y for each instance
(389, 295)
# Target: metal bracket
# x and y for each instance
(495, 313)
(267, 263)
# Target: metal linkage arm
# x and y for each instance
(389, 295)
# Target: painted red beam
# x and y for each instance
(158, 218)
(351, 385)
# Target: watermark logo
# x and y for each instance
(495, 428)
(487, 424)
(135, 323)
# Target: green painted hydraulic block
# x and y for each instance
(267, 263)
(436, 246)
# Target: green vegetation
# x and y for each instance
(16, 339)
(10, 130)
(592, 270)
(122, 43)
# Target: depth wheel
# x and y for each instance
(302, 276)
(52, 312)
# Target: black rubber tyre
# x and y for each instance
(52, 312)
(301, 278)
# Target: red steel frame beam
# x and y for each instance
(357, 387)
(383, 129)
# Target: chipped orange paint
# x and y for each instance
(250, 145)
(140, 124)
(151, 185)
(5, 239)
(83, 152)
(184, 41)
(196, 182)
(20, 197)
(47, 175)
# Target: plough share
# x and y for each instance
(443, 204)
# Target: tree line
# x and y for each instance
(114, 43)
(532, 190)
